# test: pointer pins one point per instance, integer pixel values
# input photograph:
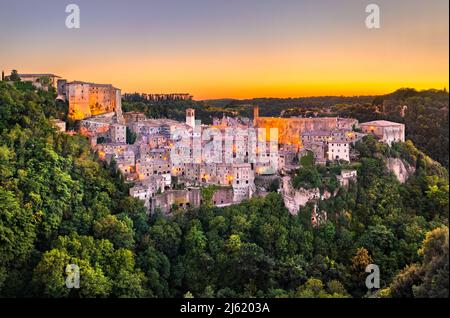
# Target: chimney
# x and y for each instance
(3, 76)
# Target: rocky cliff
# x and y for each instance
(296, 198)
(400, 168)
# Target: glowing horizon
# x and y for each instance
(233, 49)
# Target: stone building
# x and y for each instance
(291, 129)
(186, 198)
(133, 117)
(223, 197)
(339, 149)
(386, 131)
(346, 177)
(90, 99)
(146, 190)
(36, 79)
(287, 159)
(319, 150)
(118, 133)
(158, 97)
(190, 117)
(242, 180)
(315, 136)
(59, 124)
(146, 169)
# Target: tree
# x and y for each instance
(119, 232)
(430, 278)
(307, 178)
(312, 289)
(45, 81)
(403, 283)
(130, 136)
(358, 268)
(17, 234)
(49, 276)
(14, 76)
(435, 252)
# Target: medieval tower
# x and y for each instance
(190, 117)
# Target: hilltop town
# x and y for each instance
(171, 163)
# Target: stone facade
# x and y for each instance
(190, 197)
(346, 177)
(90, 99)
(223, 197)
(59, 124)
(291, 129)
(339, 150)
(35, 79)
(386, 131)
(118, 133)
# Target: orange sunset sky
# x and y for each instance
(232, 49)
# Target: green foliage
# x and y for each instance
(426, 117)
(307, 161)
(207, 194)
(14, 76)
(430, 278)
(50, 186)
(59, 205)
(307, 178)
(131, 136)
(274, 185)
(314, 288)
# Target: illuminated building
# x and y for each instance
(90, 99)
(291, 129)
(386, 131)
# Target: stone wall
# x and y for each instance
(290, 129)
(180, 198)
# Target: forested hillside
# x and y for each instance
(60, 205)
(425, 115)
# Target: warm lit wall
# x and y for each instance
(86, 100)
(78, 96)
(290, 129)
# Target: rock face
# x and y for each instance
(295, 198)
(401, 169)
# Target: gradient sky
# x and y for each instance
(232, 48)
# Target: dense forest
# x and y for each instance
(60, 205)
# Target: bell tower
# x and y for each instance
(190, 117)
